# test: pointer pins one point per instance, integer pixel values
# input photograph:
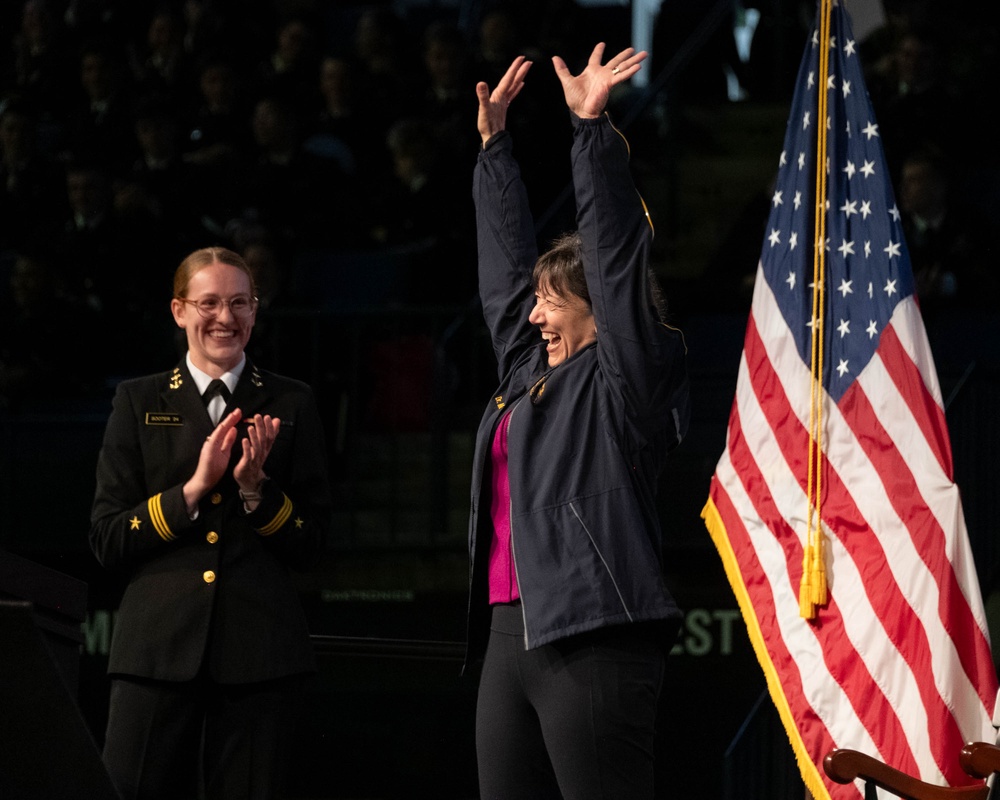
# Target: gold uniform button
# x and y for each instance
(209, 576)
(216, 499)
(212, 537)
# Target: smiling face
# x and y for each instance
(566, 323)
(216, 345)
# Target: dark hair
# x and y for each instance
(560, 270)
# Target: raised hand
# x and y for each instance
(493, 105)
(587, 93)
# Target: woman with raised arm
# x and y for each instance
(568, 611)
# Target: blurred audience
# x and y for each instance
(36, 354)
(99, 124)
(161, 64)
(948, 240)
(912, 94)
(30, 179)
(39, 68)
(299, 131)
(217, 123)
(445, 101)
(284, 186)
(158, 186)
(383, 50)
(344, 121)
(289, 69)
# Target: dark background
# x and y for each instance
(373, 303)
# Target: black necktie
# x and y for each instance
(217, 386)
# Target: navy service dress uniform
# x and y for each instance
(211, 598)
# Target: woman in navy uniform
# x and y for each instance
(205, 522)
(567, 604)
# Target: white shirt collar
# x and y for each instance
(202, 379)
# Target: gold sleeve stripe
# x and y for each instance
(279, 519)
(159, 521)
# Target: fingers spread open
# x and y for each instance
(597, 55)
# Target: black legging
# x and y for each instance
(573, 719)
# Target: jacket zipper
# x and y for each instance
(510, 516)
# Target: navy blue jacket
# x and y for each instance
(589, 437)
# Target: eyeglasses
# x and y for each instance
(242, 305)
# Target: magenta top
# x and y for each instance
(502, 576)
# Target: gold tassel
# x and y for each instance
(817, 572)
(806, 608)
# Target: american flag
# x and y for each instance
(895, 661)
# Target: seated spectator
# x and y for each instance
(99, 123)
(287, 188)
(93, 243)
(89, 238)
(158, 187)
(44, 335)
(447, 59)
(290, 68)
(39, 69)
(217, 128)
(30, 181)
(499, 43)
(109, 20)
(386, 60)
(276, 339)
(344, 118)
(913, 97)
(948, 242)
(163, 65)
(425, 207)
(504, 33)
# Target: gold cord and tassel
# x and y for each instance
(813, 587)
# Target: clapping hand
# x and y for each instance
(249, 471)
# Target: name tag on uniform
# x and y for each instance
(160, 418)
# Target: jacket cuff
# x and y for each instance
(496, 140)
(585, 122)
(273, 511)
(167, 513)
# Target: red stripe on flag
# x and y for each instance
(840, 513)
(873, 708)
(929, 539)
(925, 409)
(810, 728)
(842, 660)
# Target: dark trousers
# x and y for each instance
(574, 719)
(198, 739)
